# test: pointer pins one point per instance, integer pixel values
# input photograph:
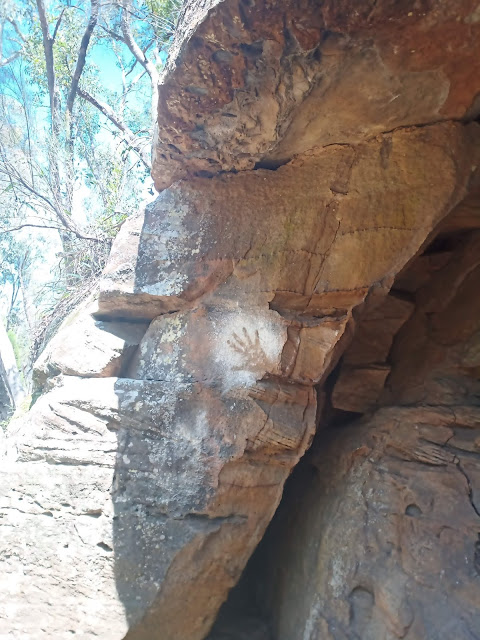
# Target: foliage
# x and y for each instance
(78, 94)
(20, 411)
(18, 350)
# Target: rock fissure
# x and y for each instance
(469, 487)
(423, 125)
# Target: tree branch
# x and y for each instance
(128, 135)
(14, 24)
(57, 26)
(140, 56)
(48, 52)
(14, 56)
(27, 224)
(82, 54)
(67, 224)
(78, 234)
(112, 34)
(132, 45)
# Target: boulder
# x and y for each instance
(86, 346)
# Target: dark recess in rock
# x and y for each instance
(385, 505)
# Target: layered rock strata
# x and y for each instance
(166, 478)
(378, 533)
(145, 475)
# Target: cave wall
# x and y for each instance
(305, 153)
(378, 533)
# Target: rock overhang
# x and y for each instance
(254, 84)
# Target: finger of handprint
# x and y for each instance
(247, 340)
(236, 346)
(251, 344)
(238, 349)
(237, 339)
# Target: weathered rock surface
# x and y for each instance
(378, 534)
(138, 486)
(296, 232)
(364, 367)
(183, 459)
(250, 82)
(377, 537)
(88, 347)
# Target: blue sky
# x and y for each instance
(109, 76)
(102, 55)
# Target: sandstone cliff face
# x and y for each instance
(142, 480)
(378, 533)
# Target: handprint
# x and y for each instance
(251, 351)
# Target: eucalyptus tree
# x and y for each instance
(74, 146)
(53, 49)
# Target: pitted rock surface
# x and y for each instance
(258, 82)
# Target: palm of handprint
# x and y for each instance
(250, 350)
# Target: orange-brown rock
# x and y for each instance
(364, 368)
(435, 355)
(259, 82)
(378, 533)
(358, 389)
